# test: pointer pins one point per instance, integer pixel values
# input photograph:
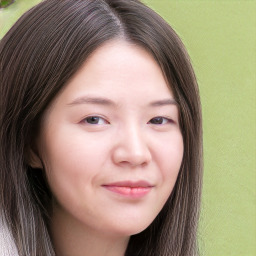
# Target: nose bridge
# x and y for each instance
(135, 139)
(132, 147)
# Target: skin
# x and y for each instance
(106, 126)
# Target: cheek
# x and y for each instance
(68, 147)
(170, 158)
(72, 158)
(70, 169)
(170, 153)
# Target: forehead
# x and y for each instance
(121, 71)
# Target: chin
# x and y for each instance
(133, 230)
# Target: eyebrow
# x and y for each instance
(163, 102)
(107, 102)
(92, 100)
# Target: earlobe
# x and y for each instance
(33, 160)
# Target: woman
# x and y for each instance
(100, 133)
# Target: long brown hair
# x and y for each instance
(38, 56)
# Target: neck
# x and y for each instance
(70, 237)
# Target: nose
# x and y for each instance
(131, 148)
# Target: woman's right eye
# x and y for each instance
(97, 120)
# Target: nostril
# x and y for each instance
(128, 157)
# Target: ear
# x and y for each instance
(34, 160)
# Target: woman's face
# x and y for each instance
(111, 142)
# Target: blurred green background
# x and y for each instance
(221, 39)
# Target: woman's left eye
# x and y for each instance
(95, 120)
(159, 120)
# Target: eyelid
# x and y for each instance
(105, 121)
(168, 120)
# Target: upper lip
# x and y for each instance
(132, 184)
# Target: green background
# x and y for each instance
(221, 39)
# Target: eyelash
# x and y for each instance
(158, 120)
(97, 118)
(161, 118)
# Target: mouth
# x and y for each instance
(129, 188)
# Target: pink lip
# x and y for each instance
(129, 188)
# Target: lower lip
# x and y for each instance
(132, 192)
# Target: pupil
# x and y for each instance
(93, 120)
(157, 120)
